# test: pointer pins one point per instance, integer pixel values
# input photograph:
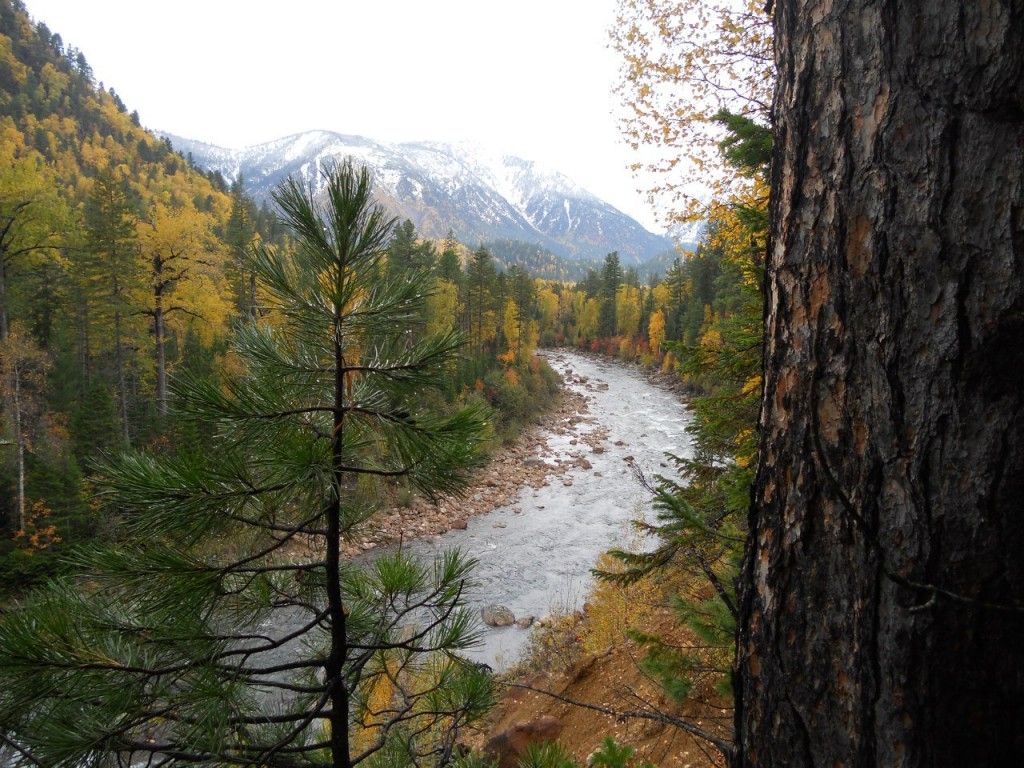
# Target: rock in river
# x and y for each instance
(497, 616)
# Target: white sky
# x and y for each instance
(525, 77)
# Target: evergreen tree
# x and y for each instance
(448, 266)
(240, 234)
(112, 277)
(611, 278)
(479, 277)
(406, 252)
(881, 607)
(166, 656)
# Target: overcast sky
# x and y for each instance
(527, 77)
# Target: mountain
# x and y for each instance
(479, 195)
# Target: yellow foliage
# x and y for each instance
(588, 318)
(614, 608)
(442, 307)
(669, 363)
(662, 295)
(380, 694)
(683, 61)
(548, 302)
(627, 310)
(656, 330)
(511, 327)
(711, 339)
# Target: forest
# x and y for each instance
(220, 419)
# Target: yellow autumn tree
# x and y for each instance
(512, 329)
(656, 331)
(548, 304)
(588, 318)
(186, 284)
(442, 307)
(628, 310)
(682, 63)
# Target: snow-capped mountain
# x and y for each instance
(479, 195)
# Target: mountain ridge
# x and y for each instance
(478, 194)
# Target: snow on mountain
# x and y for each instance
(478, 194)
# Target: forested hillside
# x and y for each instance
(115, 267)
(123, 265)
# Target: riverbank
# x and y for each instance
(582, 694)
(527, 461)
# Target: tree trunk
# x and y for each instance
(122, 389)
(4, 326)
(161, 359)
(334, 668)
(881, 588)
(19, 437)
(84, 348)
(159, 334)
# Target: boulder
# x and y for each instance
(497, 616)
(525, 622)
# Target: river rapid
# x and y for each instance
(535, 554)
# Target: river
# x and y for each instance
(535, 554)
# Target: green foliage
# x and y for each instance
(747, 146)
(714, 326)
(611, 754)
(225, 626)
(548, 754)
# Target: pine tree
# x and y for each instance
(166, 655)
(240, 234)
(881, 607)
(479, 276)
(112, 276)
(448, 266)
(611, 277)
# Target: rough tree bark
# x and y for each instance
(881, 590)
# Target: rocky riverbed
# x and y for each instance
(561, 497)
(529, 461)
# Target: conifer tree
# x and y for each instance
(228, 629)
(479, 276)
(240, 233)
(611, 277)
(112, 275)
(448, 265)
